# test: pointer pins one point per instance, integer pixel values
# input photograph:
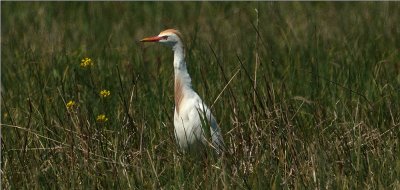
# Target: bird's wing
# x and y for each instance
(201, 114)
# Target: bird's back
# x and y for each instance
(191, 124)
(189, 108)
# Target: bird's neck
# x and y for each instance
(179, 56)
(183, 82)
(180, 63)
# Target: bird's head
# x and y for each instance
(169, 37)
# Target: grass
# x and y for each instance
(306, 95)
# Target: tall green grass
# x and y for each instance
(306, 95)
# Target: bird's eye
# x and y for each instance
(164, 37)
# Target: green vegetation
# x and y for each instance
(313, 99)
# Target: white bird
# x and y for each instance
(191, 114)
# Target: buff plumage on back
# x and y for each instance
(190, 111)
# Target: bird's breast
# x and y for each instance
(178, 94)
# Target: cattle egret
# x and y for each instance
(191, 115)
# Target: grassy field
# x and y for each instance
(307, 95)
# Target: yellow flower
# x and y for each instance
(104, 93)
(101, 118)
(86, 62)
(70, 104)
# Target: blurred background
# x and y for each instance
(306, 94)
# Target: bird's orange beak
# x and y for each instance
(151, 39)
